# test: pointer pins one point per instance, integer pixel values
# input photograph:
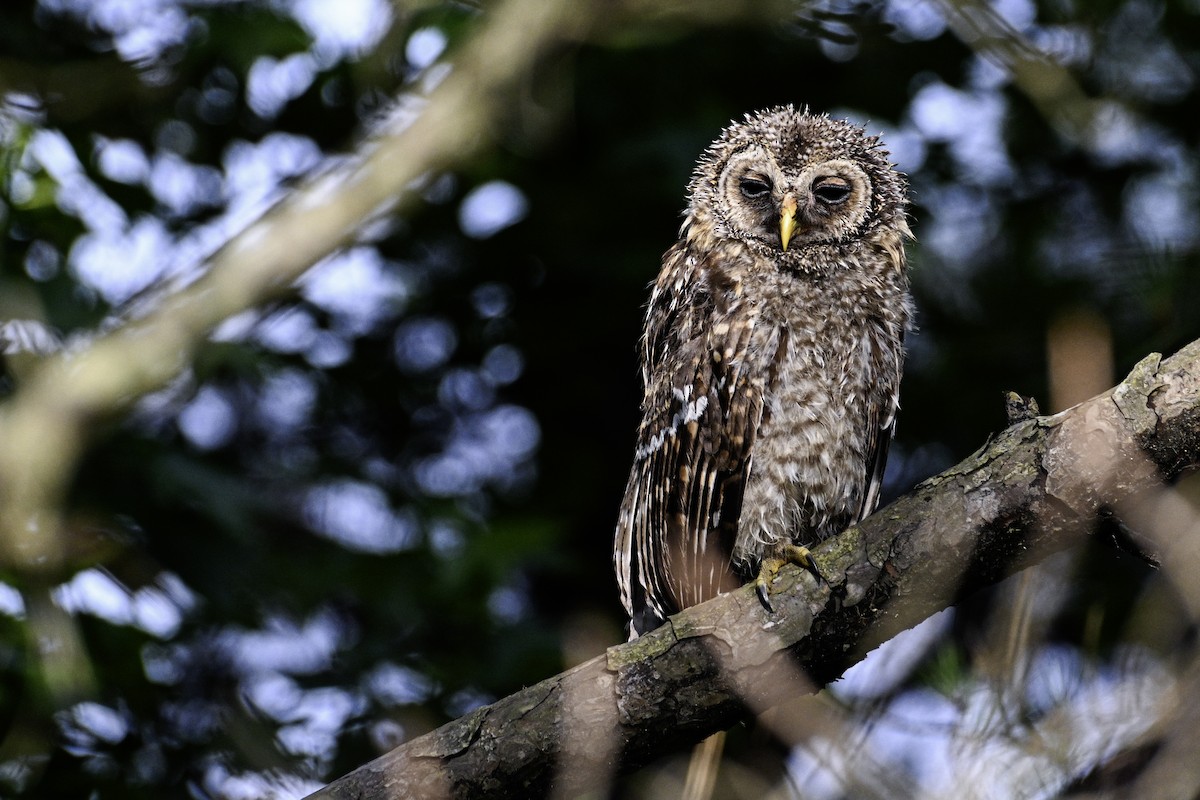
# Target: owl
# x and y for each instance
(771, 360)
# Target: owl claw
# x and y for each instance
(789, 554)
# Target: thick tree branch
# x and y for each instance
(1036, 488)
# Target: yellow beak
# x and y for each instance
(787, 219)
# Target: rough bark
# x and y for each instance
(1034, 489)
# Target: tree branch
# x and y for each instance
(1035, 489)
(45, 425)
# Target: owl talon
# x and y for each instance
(790, 554)
(760, 589)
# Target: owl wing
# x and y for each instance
(701, 413)
(881, 427)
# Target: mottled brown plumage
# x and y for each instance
(771, 359)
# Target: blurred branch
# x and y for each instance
(1160, 763)
(45, 425)
(1049, 85)
(1035, 489)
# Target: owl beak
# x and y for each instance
(787, 218)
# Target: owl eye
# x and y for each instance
(832, 191)
(754, 187)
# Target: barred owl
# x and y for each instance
(771, 359)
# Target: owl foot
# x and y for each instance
(788, 554)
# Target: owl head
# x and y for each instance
(783, 181)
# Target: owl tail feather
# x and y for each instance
(702, 769)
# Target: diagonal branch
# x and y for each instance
(46, 424)
(1035, 489)
(1049, 85)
